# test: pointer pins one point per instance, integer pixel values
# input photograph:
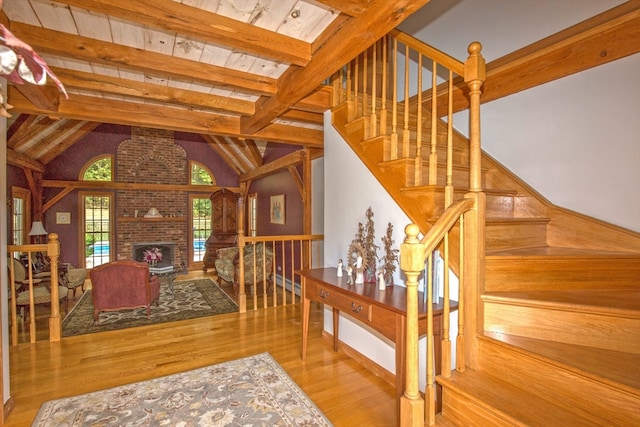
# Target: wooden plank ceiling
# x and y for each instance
(240, 72)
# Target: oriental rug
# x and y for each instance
(190, 299)
(252, 391)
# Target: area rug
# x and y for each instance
(252, 391)
(190, 299)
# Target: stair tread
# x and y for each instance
(550, 251)
(519, 404)
(616, 368)
(622, 301)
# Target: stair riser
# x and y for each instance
(458, 408)
(557, 324)
(547, 273)
(504, 235)
(565, 388)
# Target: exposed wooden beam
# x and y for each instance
(151, 92)
(100, 52)
(303, 116)
(22, 161)
(352, 38)
(272, 167)
(162, 117)
(91, 185)
(352, 8)
(606, 37)
(297, 179)
(318, 101)
(46, 97)
(28, 130)
(206, 26)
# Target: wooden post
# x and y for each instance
(474, 76)
(242, 296)
(55, 323)
(412, 263)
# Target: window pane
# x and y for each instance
(100, 170)
(199, 175)
(201, 226)
(96, 230)
(18, 221)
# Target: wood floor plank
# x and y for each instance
(343, 389)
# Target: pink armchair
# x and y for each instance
(123, 284)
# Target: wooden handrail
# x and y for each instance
(429, 51)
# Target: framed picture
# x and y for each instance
(276, 207)
(63, 217)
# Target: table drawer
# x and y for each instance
(352, 306)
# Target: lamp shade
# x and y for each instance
(37, 229)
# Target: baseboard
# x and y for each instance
(7, 409)
(369, 364)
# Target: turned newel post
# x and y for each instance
(474, 77)
(242, 297)
(412, 263)
(53, 252)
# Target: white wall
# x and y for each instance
(575, 140)
(350, 191)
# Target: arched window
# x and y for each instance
(200, 174)
(96, 214)
(98, 169)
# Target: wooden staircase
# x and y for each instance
(559, 303)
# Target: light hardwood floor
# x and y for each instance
(348, 394)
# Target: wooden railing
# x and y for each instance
(289, 253)
(52, 250)
(386, 86)
(404, 92)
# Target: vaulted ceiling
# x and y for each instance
(239, 72)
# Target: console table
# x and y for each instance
(385, 311)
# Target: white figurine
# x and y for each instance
(381, 284)
(349, 274)
(340, 268)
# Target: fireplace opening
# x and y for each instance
(159, 255)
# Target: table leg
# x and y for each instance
(336, 323)
(306, 303)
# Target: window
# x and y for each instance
(200, 174)
(20, 215)
(98, 169)
(252, 215)
(96, 213)
(96, 233)
(200, 225)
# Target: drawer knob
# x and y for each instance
(323, 294)
(356, 309)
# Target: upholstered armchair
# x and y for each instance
(228, 265)
(123, 285)
(41, 290)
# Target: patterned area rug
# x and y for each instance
(191, 299)
(253, 391)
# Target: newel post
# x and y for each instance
(55, 324)
(412, 263)
(474, 76)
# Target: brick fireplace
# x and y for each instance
(151, 157)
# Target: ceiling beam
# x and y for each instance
(283, 162)
(20, 160)
(352, 8)
(96, 51)
(349, 40)
(152, 92)
(203, 25)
